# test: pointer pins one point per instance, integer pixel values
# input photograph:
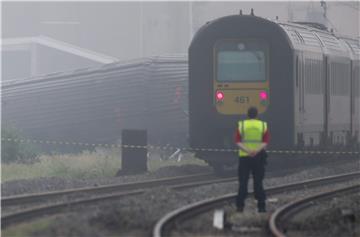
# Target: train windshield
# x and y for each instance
(241, 61)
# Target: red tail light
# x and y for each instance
(219, 95)
(263, 95)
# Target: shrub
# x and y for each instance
(96, 164)
(15, 151)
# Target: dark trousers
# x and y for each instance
(256, 166)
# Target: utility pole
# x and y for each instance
(324, 6)
(290, 12)
(190, 21)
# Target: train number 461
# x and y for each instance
(242, 99)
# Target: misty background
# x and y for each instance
(44, 37)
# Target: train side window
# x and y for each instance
(357, 81)
(297, 71)
(339, 79)
(315, 79)
(332, 78)
(301, 76)
(321, 77)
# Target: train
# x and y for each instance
(65, 110)
(303, 79)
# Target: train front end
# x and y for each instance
(241, 76)
(236, 62)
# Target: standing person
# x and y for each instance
(252, 137)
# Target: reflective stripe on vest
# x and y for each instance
(252, 132)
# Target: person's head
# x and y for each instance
(252, 112)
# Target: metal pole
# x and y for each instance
(290, 12)
(190, 21)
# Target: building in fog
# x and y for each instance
(34, 56)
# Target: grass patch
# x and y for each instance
(99, 163)
(25, 229)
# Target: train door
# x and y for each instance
(356, 102)
(352, 84)
(326, 100)
(301, 90)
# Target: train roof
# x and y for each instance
(354, 45)
(306, 36)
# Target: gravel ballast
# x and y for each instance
(46, 184)
(250, 223)
(135, 216)
(339, 216)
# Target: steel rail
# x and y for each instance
(36, 212)
(291, 209)
(36, 197)
(163, 226)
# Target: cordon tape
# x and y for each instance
(167, 147)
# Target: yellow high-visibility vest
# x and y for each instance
(252, 132)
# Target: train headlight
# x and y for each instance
(219, 95)
(263, 95)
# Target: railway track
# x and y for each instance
(283, 215)
(34, 198)
(101, 193)
(165, 225)
(37, 197)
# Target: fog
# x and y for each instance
(68, 37)
(127, 30)
(92, 90)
